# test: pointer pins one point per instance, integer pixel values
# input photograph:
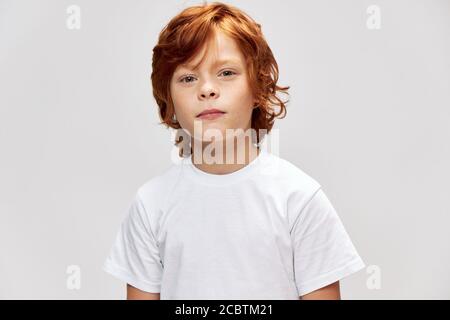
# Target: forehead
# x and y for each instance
(220, 50)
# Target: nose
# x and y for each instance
(212, 94)
(208, 92)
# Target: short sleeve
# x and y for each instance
(323, 251)
(134, 257)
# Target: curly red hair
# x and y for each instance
(185, 35)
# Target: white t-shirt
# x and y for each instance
(265, 231)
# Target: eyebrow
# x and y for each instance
(217, 63)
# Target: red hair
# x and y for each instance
(185, 35)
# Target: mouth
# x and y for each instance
(210, 114)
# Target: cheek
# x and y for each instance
(180, 101)
(175, 94)
(243, 98)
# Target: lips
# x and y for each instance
(210, 111)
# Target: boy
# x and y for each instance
(256, 227)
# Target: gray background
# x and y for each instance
(368, 118)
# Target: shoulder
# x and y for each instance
(291, 183)
(289, 176)
(155, 190)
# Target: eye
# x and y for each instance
(187, 77)
(232, 72)
(191, 77)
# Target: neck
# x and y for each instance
(225, 160)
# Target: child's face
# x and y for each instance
(222, 86)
